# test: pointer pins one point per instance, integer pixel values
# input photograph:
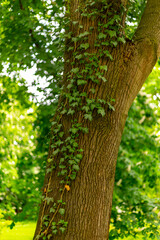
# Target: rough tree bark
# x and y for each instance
(89, 201)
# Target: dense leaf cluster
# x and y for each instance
(136, 194)
(19, 187)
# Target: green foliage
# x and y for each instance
(134, 14)
(30, 38)
(19, 192)
(136, 194)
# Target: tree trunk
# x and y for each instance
(89, 201)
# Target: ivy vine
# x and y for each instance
(86, 68)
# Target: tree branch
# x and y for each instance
(149, 27)
(21, 5)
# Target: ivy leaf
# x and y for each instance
(49, 170)
(62, 166)
(85, 130)
(74, 104)
(71, 112)
(91, 28)
(49, 160)
(93, 106)
(108, 54)
(76, 167)
(110, 106)
(101, 111)
(75, 70)
(70, 85)
(81, 82)
(61, 222)
(52, 210)
(80, 150)
(105, 43)
(58, 143)
(80, 26)
(54, 226)
(84, 45)
(101, 35)
(80, 156)
(74, 39)
(102, 101)
(61, 160)
(53, 123)
(49, 236)
(114, 43)
(62, 211)
(71, 162)
(84, 94)
(56, 151)
(48, 200)
(103, 78)
(79, 56)
(90, 101)
(73, 176)
(62, 229)
(63, 111)
(104, 67)
(38, 237)
(61, 134)
(70, 49)
(54, 231)
(46, 224)
(74, 130)
(75, 22)
(112, 33)
(88, 116)
(68, 139)
(86, 108)
(63, 172)
(121, 39)
(83, 34)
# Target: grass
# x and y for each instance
(25, 231)
(21, 231)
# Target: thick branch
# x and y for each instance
(149, 27)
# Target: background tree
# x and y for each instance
(92, 32)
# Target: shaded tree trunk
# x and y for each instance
(89, 201)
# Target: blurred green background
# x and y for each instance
(32, 39)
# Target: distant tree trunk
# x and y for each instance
(89, 201)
